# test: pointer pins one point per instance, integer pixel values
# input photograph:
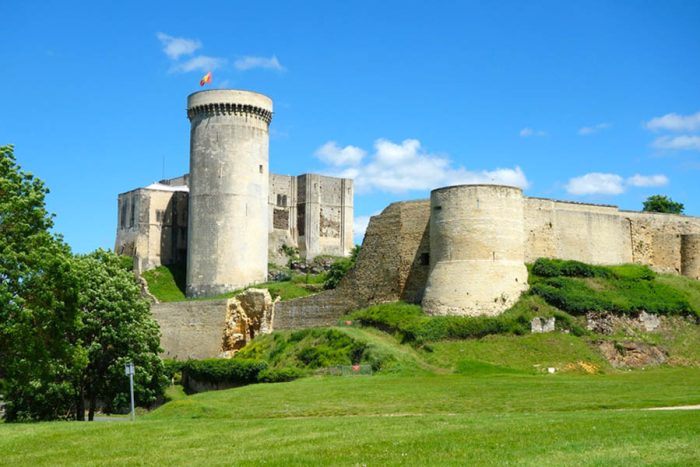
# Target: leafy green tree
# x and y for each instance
(117, 327)
(67, 324)
(340, 268)
(661, 203)
(37, 302)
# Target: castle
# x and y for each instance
(230, 216)
(462, 252)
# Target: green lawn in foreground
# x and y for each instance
(457, 419)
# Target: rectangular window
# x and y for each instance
(132, 221)
(122, 214)
(261, 168)
(159, 215)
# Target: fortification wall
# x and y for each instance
(690, 256)
(191, 329)
(584, 232)
(392, 265)
(477, 248)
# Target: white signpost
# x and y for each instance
(129, 371)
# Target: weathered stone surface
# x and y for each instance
(632, 354)
(600, 323)
(248, 314)
(540, 325)
(648, 321)
(191, 329)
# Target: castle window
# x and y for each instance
(133, 213)
(122, 214)
(261, 168)
(160, 214)
(425, 259)
(281, 200)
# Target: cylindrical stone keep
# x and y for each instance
(477, 250)
(229, 183)
(690, 256)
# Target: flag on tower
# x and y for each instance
(206, 79)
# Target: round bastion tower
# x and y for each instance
(477, 250)
(690, 256)
(229, 183)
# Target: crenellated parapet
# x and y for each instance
(229, 102)
(227, 108)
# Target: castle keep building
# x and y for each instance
(229, 216)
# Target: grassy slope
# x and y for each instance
(525, 419)
(167, 284)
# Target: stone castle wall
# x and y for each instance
(393, 263)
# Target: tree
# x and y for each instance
(661, 203)
(37, 302)
(117, 327)
(67, 324)
(340, 268)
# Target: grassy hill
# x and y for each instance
(443, 390)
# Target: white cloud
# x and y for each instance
(359, 227)
(250, 62)
(527, 132)
(675, 122)
(405, 166)
(331, 154)
(647, 180)
(174, 47)
(589, 130)
(684, 142)
(201, 63)
(596, 183)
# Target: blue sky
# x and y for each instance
(586, 101)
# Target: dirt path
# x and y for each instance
(677, 407)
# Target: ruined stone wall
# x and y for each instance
(392, 265)
(324, 215)
(656, 238)
(584, 232)
(152, 227)
(191, 329)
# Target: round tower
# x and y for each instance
(690, 256)
(229, 183)
(477, 250)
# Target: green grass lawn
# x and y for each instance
(374, 420)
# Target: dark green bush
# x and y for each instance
(624, 296)
(413, 326)
(280, 375)
(340, 268)
(222, 370)
(547, 267)
(172, 369)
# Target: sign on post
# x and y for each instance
(129, 371)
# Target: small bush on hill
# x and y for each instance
(340, 268)
(222, 370)
(624, 289)
(413, 326)
(281, 375)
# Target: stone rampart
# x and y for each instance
(192, 329)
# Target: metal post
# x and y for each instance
(129, 370)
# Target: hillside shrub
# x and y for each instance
(221, 370)
(340, 268)
(411, 325)
(624, 289)
(281, 375)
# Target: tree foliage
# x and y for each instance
(662, 203)
(67, 324)
(116, 327)
(340, 268)
(37, 301)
